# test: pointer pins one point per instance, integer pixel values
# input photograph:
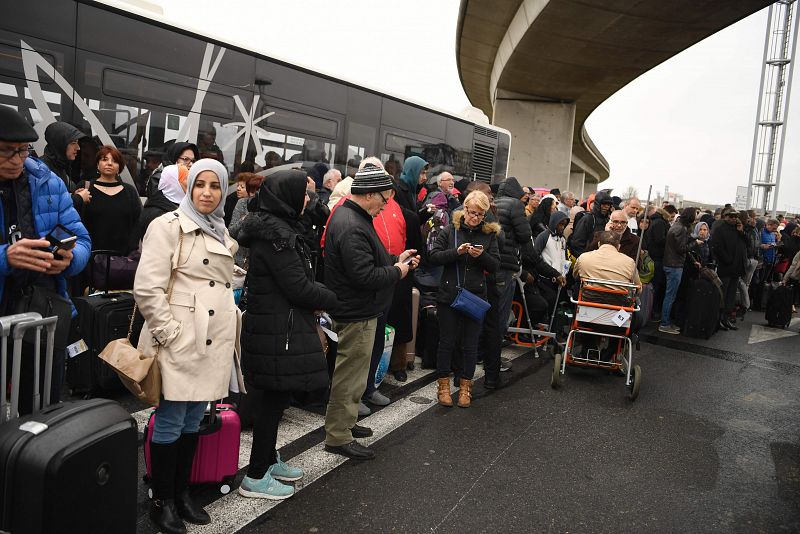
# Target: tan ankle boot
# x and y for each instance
(464, 393)
(444, 392)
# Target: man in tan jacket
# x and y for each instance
(607, 262)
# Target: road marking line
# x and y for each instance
(233, 512)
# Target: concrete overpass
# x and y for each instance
(540, 67)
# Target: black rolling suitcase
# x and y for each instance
(702, 309)
(428, 336)
(71, 467)
(101, 319)
(779, 307)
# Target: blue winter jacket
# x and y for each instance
(52, 205)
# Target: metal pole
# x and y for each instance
(641, 237)
(758, 112)
(785, 108)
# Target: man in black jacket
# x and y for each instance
(62, 148)
(730, 250)
(516, 249)
(591, 223)
(655, 239)
(362, 274)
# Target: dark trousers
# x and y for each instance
(267, 417)
(490, 345)
(453, 327)
(729, 286)
(377, 353)
(659, 286)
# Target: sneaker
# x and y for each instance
(505, 366)
(670, 329)
(283, 471)
(363, 410)
(265, 488)
(378, 399)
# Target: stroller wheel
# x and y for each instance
(636, 382)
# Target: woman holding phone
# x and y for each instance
(467, 248)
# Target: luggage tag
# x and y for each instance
(621, 317)
(79, 347)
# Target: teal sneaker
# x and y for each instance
(265, 488)
(283, 471)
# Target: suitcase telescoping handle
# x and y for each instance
(18, 332)
(7, 323)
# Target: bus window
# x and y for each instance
(361, 143)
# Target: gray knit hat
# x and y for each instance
(371, 179)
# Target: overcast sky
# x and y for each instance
(688, 123)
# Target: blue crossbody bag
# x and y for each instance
(466, 302)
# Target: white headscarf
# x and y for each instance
(169, 184)
(214, 223)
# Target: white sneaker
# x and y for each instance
(363, 410)
(378, 399)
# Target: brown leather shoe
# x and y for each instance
(464, 393)
(444, 392)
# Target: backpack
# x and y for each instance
(432, 227)
(647, 268)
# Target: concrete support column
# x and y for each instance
(576, 181)
(541, 143)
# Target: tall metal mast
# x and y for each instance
(773, 104)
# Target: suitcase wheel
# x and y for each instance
(225, 489)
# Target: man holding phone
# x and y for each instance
(43, 240)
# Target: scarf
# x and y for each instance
(696, 233)
(212, 224)
(169, 184)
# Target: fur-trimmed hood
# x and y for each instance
(486, 227)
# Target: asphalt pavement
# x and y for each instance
(712, 444)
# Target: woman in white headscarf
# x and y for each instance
(170, 193)
(193, 323)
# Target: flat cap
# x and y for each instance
(14, 128)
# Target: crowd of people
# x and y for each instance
(314, 245)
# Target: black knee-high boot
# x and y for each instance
(163, 513)
(187, 508)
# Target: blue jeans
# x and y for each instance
(673, 276)
(174, 418)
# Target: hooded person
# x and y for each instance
(276, 360)
(61, 150)
(591, 223)
(551, 244)
(317, 173)
(170, 193)
(415, 170)
(173, 155)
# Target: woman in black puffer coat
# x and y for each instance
(466, 261)
(281, 350)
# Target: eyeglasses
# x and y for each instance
(385, 200)
(621, 223)
(8, 153)
(187, 160)
(475, 214)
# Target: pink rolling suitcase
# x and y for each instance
(217, 458)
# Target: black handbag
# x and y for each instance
(466, 302)
(47, 303)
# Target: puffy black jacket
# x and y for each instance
(281, 350)
(729, 246)
(656, 235)
(517, 230)
(470, 270)
(357, 267)
(156, 206)
(593, 222)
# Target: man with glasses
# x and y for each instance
(619, 224)
(34, 201)
(362, 274)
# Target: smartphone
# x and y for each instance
(408, 260)
(61, 238)
(477, 247)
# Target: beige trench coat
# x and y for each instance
(199, 329)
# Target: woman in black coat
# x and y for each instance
(281, 350)
(466, 259)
